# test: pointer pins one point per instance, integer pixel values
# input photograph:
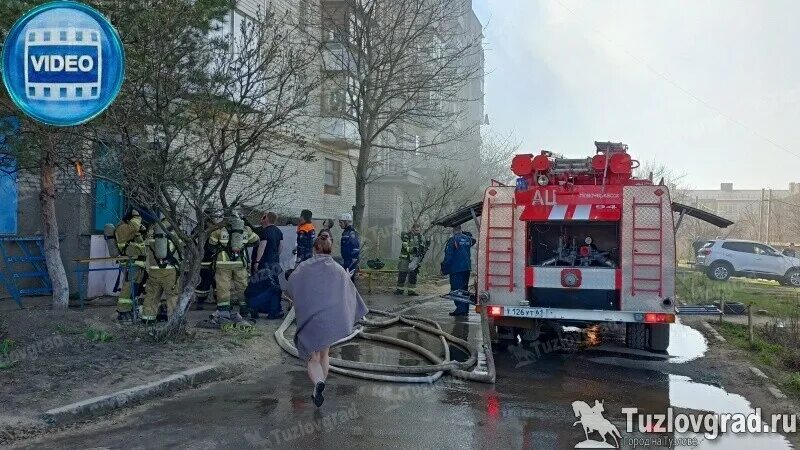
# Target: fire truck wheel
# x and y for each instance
(659, 337)
(636, 336)
(720, 271)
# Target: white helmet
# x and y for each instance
(347, 217)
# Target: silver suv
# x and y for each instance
(721, 259)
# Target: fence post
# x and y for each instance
(721, 309)
(750, 324)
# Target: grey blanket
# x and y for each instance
(327, 304)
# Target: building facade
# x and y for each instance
(759, 214)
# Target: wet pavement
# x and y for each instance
(531, 406)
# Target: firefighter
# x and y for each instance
(163, 270)
(305, 237)
(130, 242)
(207, 284)
(350, 244)
(231, 268)
(411, 253)
(458, 265)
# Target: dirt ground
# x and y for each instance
(729, 368)
(68, 363)
(57, 359)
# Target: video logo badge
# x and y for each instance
(63, 63)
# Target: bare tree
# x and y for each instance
(395, 70)
(210, 116)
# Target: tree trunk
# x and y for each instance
(361, 186)
(52, 249)
(190, 279)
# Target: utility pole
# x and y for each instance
(769, 214)
(761, 216)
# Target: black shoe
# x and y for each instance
(276, 317)
(317, 397)
(125, 317)
(398, 292)
(412, 294)
(454, 313)
(457, 313)
(254, 316)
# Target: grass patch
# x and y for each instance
(240, 331)
(793, 382)
(5, 348)
(69, 329)
(763, 351)
(98, 335)
(697, 289)
(772, 347)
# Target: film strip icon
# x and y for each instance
(63, 64)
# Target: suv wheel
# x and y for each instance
(720, 271)
(793, 278)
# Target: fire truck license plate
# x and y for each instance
(524, 312)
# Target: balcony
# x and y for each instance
(334, 57)
(338, 132)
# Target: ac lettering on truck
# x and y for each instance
(548, 199)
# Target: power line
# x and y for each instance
(685, 91)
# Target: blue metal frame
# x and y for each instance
(9, 276)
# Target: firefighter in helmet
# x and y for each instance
(204, 288)
(130, 242)
(231, 268)
(412, 251)
(163, 270)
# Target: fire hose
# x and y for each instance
(428, 373)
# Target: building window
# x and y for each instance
(333, 177)
(334, 99)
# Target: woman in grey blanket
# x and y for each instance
(327, 306)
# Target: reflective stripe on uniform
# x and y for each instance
(148, 317)
(124, 301)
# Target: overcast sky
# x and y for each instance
(710, 88)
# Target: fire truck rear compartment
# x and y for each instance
(544, 240)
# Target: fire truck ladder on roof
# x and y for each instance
(500, 244)
(647, 236)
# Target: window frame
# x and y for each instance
(336, 173)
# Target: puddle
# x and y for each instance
(685, 343)
(687, 394)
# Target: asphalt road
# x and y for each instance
(531, 406)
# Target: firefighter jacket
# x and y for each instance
(225, 256)
(413, 246)
(130, 241)
(457, 257)
(173, 259)
(305, 241)
(351, 248)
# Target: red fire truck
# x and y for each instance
(578, 242)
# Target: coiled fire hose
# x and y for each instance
(429, 373)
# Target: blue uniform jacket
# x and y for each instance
(457, 254)
(351, 248)
(305, 241)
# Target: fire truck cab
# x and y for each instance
(578, 242)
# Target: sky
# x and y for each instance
(710, 89)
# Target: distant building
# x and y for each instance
(734, 203)
(751, 210)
